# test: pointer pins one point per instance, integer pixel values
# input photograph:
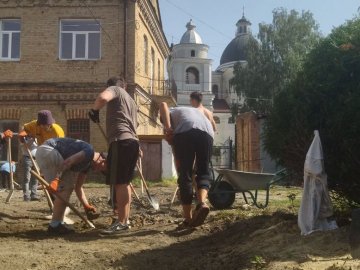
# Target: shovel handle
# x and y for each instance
(47, 195)
(77, 212)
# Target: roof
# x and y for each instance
(220, 106)
(191, 36)
(235, 50)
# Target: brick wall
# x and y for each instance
(40, 25)
(68, 88)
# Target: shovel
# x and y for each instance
(47, 195)
(11, 171)
(153, 202)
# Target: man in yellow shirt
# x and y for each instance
(42, 129)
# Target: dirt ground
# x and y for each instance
(240, 238)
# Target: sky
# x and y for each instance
(215, 20)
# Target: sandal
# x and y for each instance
(200, 214)
(184, 225)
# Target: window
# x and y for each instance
(146, 52)
(192, 76)
(192, 53)
(79, 129)
(159, 75)
(80, 40)
(14, 126)
(152, 71)
(10, 39)
(217, 120)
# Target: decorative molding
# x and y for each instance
(10, 113)
(76, 114)
(56, 3)
(6, 97)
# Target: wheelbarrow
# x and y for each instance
(229, 182)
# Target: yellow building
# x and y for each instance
(57, 55)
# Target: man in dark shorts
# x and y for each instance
(191, 135)
(64, 162)
(121, 124)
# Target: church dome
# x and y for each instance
(236, 49)
(190, 36)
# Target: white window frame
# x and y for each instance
(74, 33)
(9, 32)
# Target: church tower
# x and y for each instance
(189, 68)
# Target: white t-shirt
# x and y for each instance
(184, 119)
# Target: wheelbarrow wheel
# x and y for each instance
(223, 197)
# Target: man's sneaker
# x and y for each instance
(35, 199)
(60, 229)
(200, 214)
(115, 228)
(26, 199)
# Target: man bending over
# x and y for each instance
(64, 162)
(191, 135)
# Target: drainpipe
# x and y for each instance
(125, 39)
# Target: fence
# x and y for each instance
(223, 155)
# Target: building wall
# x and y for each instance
(225, 130)
(168, 165)
(68, 88)
(40, 25)
(142, 29)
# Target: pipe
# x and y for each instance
(125, 39)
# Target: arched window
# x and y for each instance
(152, 70)
(159, 74)
(192, 76)
(146, 53)
(215, 90)
(217, 120)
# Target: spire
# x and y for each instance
(190, 25)
(243, 25)
(191, 36)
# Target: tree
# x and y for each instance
(325, 95)
(274, 58)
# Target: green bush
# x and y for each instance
(326, 96)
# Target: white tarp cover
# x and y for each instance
(315, 207)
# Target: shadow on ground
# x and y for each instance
(273, 237)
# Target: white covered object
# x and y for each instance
(315, 207)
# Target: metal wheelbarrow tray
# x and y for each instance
(229, 182)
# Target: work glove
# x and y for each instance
(22, 135)
(94, 115)
(8, 134)
(90, 212)
(53, 186)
